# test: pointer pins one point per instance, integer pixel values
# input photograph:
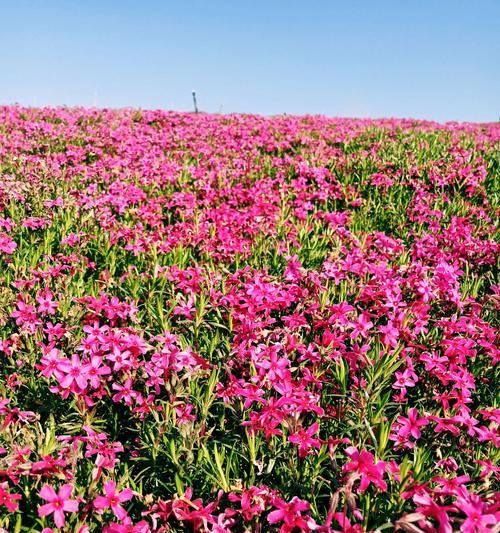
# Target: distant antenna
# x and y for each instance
(194, 102)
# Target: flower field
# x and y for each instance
(238, 323)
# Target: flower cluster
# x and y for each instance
(237, 323)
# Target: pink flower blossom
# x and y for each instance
(291, 515)
(304, 438)
(410, 426)
(363, 463)
(59, 503)
(7, 499)
(7, 245)
(479, 518)
(113, 500)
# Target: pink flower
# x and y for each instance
(95, 369)
(291, 514)
(450, 486)
(113, 499)
(46, 302)
(58, 503)
(403, 380)
(479, 519)
(293, 269)
(411, 426)
(72, 373)
(253, 501)
(446, 424)
(488, 468)
(362, 326)
(24, 314)
(193, 511)
(7, 245)
(305, 439)
(49, 363)
(390, 334)
(184, 414)
(125, 392)
(346, 525)
(428, 507)
(186, 309)
(10, 501)
(363, 463)
(120, 358)
(276, 366)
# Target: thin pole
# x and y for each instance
(194, 102)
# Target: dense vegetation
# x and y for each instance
(238, 323)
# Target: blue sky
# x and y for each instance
(435, 59)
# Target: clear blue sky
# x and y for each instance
(437, 59)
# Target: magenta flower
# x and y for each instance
(119, 357)
(113, 499)
(275, 367)
(46, 302)
(24, 313)
(363, 463)
(390, 334)
(49, 363)
(125, 392)
(479, 518)
(403, 380)
(59, 503)
(362, 326)
(304, 438)
(291, 514)
(95, 369)
(7, 245)
(10, 501)
(446, 424)
(73, 372)
(430, 509)
(411, 426)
